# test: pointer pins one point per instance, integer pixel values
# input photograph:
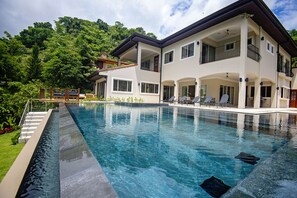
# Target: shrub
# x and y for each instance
(14, 140)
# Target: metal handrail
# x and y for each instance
(25, 112)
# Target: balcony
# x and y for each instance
(211, 54)
(253, 53)
(284, 68)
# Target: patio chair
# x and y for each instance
(224, 100)
(183, 99)
(171, 100)
(196, 100)
(208, 100)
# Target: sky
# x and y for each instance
(161, 17)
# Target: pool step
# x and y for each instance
(31, 123)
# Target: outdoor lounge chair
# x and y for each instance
(224, 100)
(171, 100)
(183, 99)
(196, 100)
(208, 101)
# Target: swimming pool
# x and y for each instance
(165, 151)
(42, 176)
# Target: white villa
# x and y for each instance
(241, 50)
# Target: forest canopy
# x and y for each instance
(60, 56)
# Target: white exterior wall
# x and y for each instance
(191, 70)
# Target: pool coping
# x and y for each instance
(80, 173)
(11, 182)
(274, 177)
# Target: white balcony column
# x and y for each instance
(243, 39)
(197, 87)
(275, 96)
(242, 93)
(243, 62)
(257, 93)
(176, 90)
(139, 55)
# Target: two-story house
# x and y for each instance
(241, 50)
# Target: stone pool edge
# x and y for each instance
(271, 178)
(13, 179)
(80, 173)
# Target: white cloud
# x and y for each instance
(153, 15)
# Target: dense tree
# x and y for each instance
(36, 35)
(293, 34)
(34, 65)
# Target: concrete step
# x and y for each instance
(32, 121)
(27, 133)
(24, 139)
(37, 113)
(31, 124)
(32, 117)
(31, 128)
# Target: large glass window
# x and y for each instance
(145, 65)
(203, 91)
(122, 85)
(229, 46)
(208, 53)
(187, 51)
(168, 57)
(149, 88)
(266, 91)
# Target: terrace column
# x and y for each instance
(197, 87)
(139, 55)
(176, 90)
(275, 96)
(257, 93)
(243, 62)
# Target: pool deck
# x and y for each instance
(80, 173)
(237, 110)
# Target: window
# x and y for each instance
(187, 51)
(149, 88)
(229, 46)
(250, 41)
(285, 93)
(266, 91)
(208, 53)
(269, 47)
(145, 65)
(252, 92)
(168, 57)
(203, 91)
(122, 85)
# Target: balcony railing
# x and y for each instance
(220, 53)
(285, 68)
(253, 53)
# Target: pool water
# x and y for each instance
(42, 176)
(169, 152)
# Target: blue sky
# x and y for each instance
(162, 17)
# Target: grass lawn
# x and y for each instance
(8, 152)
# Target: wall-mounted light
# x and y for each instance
(262, 38)
(277, 88)
(195, 83)
(240, 79)
(261, 83)
(198, 42)
(174, 85)
(246, 79)
(138, 84)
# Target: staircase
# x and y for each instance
(31, 123)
